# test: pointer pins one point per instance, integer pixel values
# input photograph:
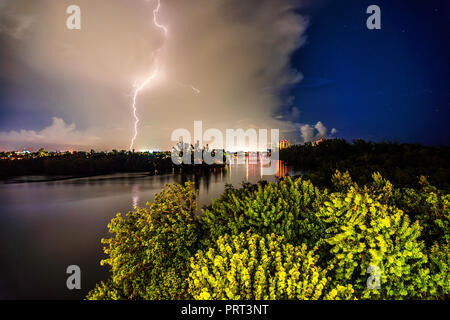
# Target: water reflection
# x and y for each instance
(135, 195)
(282, 170)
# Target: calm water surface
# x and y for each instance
(47, 226)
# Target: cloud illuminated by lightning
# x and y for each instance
(139, 87)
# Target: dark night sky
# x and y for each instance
(377, 84)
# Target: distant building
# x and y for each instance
(283, 144)
(315, 143)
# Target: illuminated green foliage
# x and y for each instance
(429, 206)
(151, 247)
(286, 208)
(439, 257)
(250, 266)
(360, 233)
(370, 226)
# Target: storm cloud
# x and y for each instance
(235, 52)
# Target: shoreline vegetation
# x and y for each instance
(400, 163)
(320, 236)
(74, 165)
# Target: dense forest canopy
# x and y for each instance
(402, 164)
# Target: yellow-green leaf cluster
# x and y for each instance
(250, 266)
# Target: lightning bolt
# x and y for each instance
(138, 87)
(155, 18)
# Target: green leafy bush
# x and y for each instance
(429, 206)
(439, 257)
(286, 208)
(362, 232)
(151, 247)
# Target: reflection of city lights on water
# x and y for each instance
(135, 195)
(281, 169)
(254, 166)
(246, 169)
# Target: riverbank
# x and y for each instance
(33, 178)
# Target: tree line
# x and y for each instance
(93, 163)
(402, 164)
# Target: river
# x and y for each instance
(47, 226)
